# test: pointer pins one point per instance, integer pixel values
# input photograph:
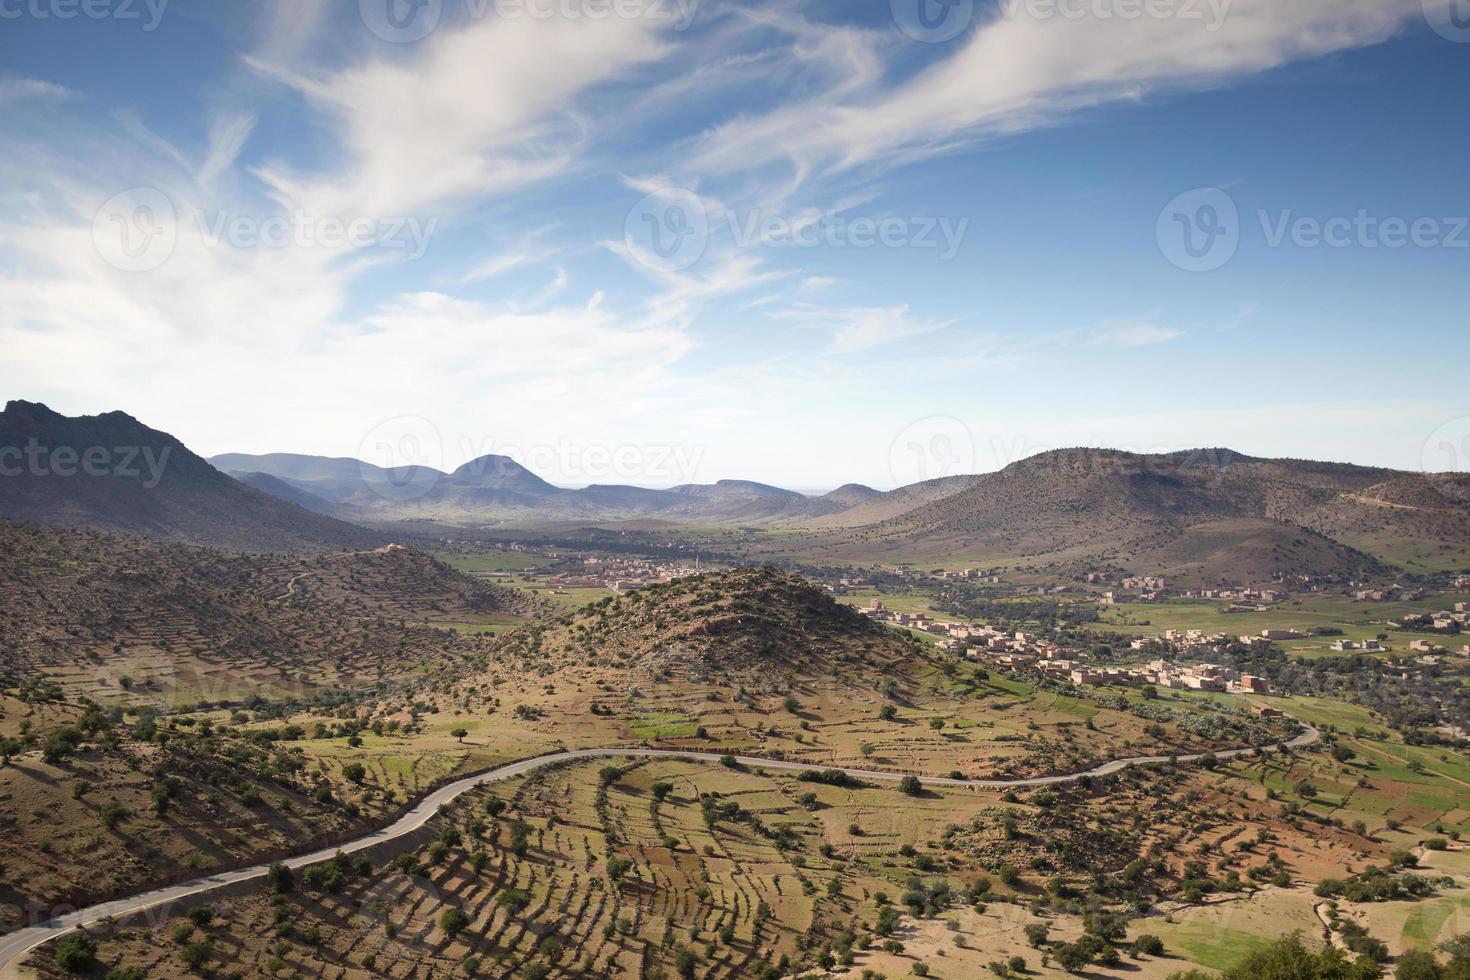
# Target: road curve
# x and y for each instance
(15, 945)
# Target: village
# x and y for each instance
(619, 574)
(1022, 650)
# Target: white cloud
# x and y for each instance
(529, 250)
(479, 110)
(1134, 335)
(227, 136)
(17, 89)
(1018, 72)
(857, 329)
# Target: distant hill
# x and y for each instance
(113, 472)
(888, 505)
(1209, 514)
(111, 604)
(496, 488)
(288, 492)
(851, 495)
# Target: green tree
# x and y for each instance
(281, 878)
(76, 953)
(454, 921)
(1290, 958)
(1415, 964)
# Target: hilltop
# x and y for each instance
(114, 473)
(757, 620)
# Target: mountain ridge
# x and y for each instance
(112, 472)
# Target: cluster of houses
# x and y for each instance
(618, 573)
(1444, 621)
(1051, 662)
(1389, 593)
(972, 575)
(956, 635)
(1244, 596)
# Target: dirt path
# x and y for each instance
(15, 945)
(1327, 931)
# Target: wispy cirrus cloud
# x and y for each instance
(18, 89)
(853, 330)
(1018, 72)
(478, 110)
(1134, 335)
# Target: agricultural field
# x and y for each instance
(1357, 621)
(634, 866)
(638, 866)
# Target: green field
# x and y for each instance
(1357, 620)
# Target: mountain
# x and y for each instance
(497, 488)
(850, 495)
(112, 472)
(1210, 515)
(335, 479)
(894, 502)
(288, 492)
(500, 473)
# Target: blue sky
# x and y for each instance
(885, 251)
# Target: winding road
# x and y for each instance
(15, 945)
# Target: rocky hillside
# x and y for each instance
(1208, 514)
(114, 473)
(727, 622)
(94, 608)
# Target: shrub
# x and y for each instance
(113, 813)
(454, 921)
(197, 954)
(281, 878)
(1416, 964)
(513, 900)
(1148, 945)
(910, 785)
(76, 953)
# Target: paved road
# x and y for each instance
(14, 946)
